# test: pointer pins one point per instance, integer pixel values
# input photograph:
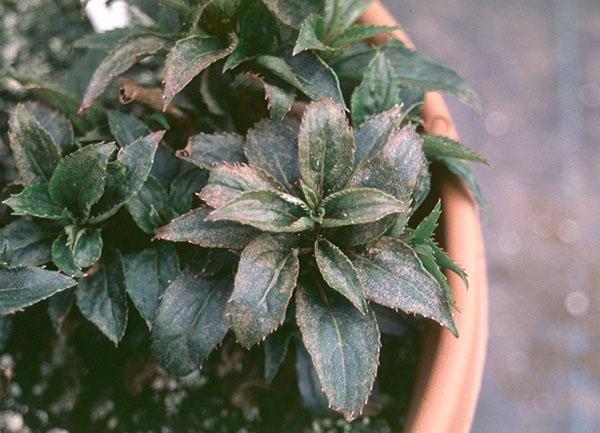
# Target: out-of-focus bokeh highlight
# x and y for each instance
(536, 66)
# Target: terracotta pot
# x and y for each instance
(449, 377)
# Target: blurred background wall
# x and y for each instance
(536, 67)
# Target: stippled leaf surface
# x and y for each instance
(35, 152)
(325, 147)
(392, 275)
(35, 200)
(311, 35)
(126, 128)
(276, 349)
(395, 168)
(79, 178)
(62, 256)
(102, 299)
(266, 276)
(317, 79)
(21, 287)
(127, 174)
(360, 206)
(280, 98)
(29, 241)
(193, 228)
(266, 210)
(87, 247)
(343, 345)
(147, 275)
(150, 207)
(54, 123)
(377, 92)
(190, 321)
(272, 146)
(293, 12)
(207, 150)
(183, 188)
(188, 58)
(227, 182)
(361, 234)
(436, 147)
(337, 270)
(413, 69)
(374, 132)
(124, 56)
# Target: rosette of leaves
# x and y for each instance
(318, 212)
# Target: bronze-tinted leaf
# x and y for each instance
(208, 150)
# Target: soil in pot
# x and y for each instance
(83, 384)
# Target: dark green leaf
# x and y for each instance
(55, 123)
(425, 253)
(444, 261)
(438, 147)
(374, 133)
(62, 257)
(6, 325)
(207, 150)
(312, 199)
(87, 247)
(267, 211)
(361, 234)
(78, 181)
(21, 287)
(360, 206)
(35, 152)
(280, 98)
(124, 56)
(29, 240)
(59, 307)
(266, 276)
(257, 28)
(194, 229)
(147, 275)
(107, 40)
(126, 128)
(309, 385)
(340, 14)
(294, 12)
(188, 58)
(183, 187)
(392, 275)
(395, 168)
(150, 207)
(325, 147)
(227, 182)
(276, 349)
(343, 345)
(358, 32)
(102, 299)
(464, 173)
(338, 272)
(377, 92)
(190, 321)
(427, 226)
(317, 79)
(312, 35)
(126, 175)
(272, 146)
(34, 200)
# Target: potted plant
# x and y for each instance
(255, 174)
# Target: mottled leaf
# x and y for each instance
(87, 247)
(338, 272)
(126, 128)
(325, 147)
(190, 321)
(267, 211)
(124, 56)
(360, 206)
(188, 58)
(62, 257)
(395, 168)
(436, 147)
(193, 228)
(79, 178)
(207, 150)
(280, 98)
(317, 79)
(392, 275)
(22, 286)
(377, 92)
(150, 207)
(35, 152)
(343, 345)
(272, 146)
(126, 175)
(227, 182)
(147, 275)
(266, 276)
(34, 200)
(55, 123)
(276, 349)
(374, 132)
(311, 35)
(29, 240)
(361, 234)
(102, 299)
(294, 12)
